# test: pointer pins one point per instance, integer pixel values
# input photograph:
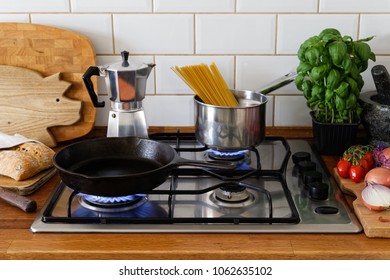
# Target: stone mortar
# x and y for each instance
(375, 118)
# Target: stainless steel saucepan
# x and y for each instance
(236, 128)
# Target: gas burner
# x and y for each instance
(227, 155)
(111, 204)
(232, 195)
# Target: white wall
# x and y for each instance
(252, 41)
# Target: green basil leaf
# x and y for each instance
(347, 64)
(329, 32)
(329, 94)
(360, 82)
(340, 104)
(312, 55)
(333, 79)
(304, 68)
(318, 92)
(299, 81)
(362, 50)
(342, 90)
(352, 84)
(337, 51)
(366, 39)
(306, 86)
(318, 73)
(351, 102)
(372, 56)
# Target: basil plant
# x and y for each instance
(329, 75)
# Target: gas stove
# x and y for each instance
(280, 186)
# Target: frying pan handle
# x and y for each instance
(24, 203)
(92, 71)
(206, 164)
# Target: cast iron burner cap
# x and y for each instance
(232, 195)
(111, 204)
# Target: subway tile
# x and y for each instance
(293, 30)
(167, 82)
(375, 25)
(109, 60)
(14, 18)
(154, 33)
(121, 6)
(276, 6)
(36, 6)
(291, 111)
(235, 34)
(97, 27)
(175, 110)
(257, 72)
(355, 6)
(192, 6)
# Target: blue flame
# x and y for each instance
(228, 154)
(111, 200)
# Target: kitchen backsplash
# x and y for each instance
(253, 42)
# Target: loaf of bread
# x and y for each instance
(25, 160)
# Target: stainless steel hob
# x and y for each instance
(281, 186)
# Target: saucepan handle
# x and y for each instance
(278, 83)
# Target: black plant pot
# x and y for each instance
(333, 139)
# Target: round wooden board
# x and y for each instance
(49, 50)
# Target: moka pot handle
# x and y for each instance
(92, 71)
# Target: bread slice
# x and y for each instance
(25, 160)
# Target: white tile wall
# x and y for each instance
(291, 111)
(277, 6)
(376, 25)
(235, 34)
(253, 43)
(14, 18)
(154, 33)
(257, 72)
(192, 6)
(116, 6)
(293, 30)
(28, 6)
(360, 6)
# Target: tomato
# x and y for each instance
(365, 164)
(343, 168)
(370, 160)
(347, 157)
(356, 173)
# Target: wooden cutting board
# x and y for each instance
(29, 185)
(370, 220)
(30, 104)
(50, 50)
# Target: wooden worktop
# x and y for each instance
(18, 242)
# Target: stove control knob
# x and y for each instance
(327, 210)
(311, 176)
(304, 166)
(318, 190)
(300, 156)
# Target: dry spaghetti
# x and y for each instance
(207, 83)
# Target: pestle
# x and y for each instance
(382, 83)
